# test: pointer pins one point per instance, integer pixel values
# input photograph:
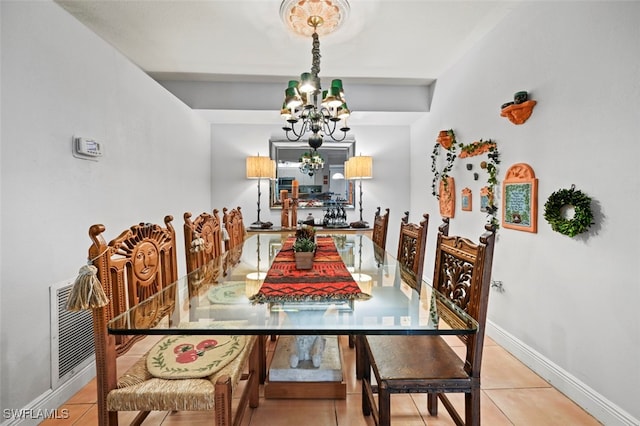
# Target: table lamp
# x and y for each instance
(360, 167)
(260, 168)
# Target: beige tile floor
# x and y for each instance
(511, 395)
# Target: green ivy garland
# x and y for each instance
(582, 218)
(470, 150)
(444, 174)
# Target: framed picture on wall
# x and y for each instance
(465, 200)
(520, 199)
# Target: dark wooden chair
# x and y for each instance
(411, 251)
(140, 263)
(379, 236)
(380, 226)
(427, 364)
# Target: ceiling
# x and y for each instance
(382, 42)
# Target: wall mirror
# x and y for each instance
(321, 181)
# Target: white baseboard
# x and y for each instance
(591, 401)
(50, 400)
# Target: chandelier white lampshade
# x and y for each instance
(260, 168)
(307, 109)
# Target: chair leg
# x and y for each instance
(384, 405)
(359, 347)
(472, 408)
(223, 401)
(262, 363)
(366, 381)
(255, 371)
(432, 403)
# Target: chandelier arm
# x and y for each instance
(301, 131)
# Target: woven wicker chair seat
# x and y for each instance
(138, 390)
(415, 358)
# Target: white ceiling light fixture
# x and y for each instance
(306, 107)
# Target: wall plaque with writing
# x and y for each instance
(520, 199)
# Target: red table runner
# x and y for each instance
(328, 280)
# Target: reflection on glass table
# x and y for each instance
(215, 299)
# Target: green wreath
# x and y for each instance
(582, 218)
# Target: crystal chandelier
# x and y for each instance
(307, 108)
(311, 162)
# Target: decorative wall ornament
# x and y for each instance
(466, 203)
(520, 198)
(520, 109)
(447, 140)
(490, 148)
(447, 197)
(562, 200)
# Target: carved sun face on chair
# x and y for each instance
(145, 261)
(207, 233)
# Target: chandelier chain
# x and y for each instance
(315, 52)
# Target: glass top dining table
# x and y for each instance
(217, 299)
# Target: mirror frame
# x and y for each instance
(275, 145)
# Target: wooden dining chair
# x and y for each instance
(202, 239)
(427, 364)
(380, 226)
(138, 264)
(411, 251)
(206, 262)
(234, 225)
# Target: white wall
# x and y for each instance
(571, 301)
(60, 79)
(389, 146)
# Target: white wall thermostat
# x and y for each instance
(86, 148)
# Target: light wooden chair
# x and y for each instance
(140, 263)
(202, 239)
(234, 225)
(427, 364)
(206, 261)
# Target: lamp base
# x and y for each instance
(261, 225)
(359, 224)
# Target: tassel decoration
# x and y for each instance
(197, 245)
(87, 292)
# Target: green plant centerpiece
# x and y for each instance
(304, 247)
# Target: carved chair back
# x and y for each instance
(137, 264)
(380, 226)
(234, 224)
(462, 273)
(202, 239)
(411, 249)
